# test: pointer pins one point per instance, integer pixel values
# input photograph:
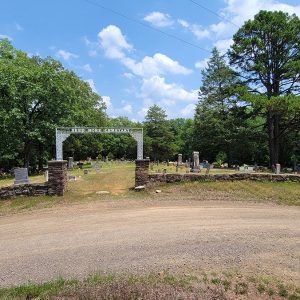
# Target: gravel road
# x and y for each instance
(75, 240)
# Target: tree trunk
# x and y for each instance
(273, 132)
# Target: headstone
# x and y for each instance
(277, 168)
(70, 163)
(195, 159)
(250, 169)
(187, 164)
(179, 160)
(241, 169)
(207, 170)
(89, 159)
(21, 175)
(46, 175)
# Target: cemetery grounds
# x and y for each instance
(196, 240)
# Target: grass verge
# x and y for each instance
(162, 285)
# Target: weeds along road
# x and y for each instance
(75, 240)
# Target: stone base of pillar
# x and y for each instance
(141, 172)
(57, 177)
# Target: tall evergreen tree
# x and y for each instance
(267, 52)
(159, 136)
(221, 127)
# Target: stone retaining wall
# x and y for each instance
(55, 186)
(30, 189)
(169, 178)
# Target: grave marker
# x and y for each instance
(21, 175)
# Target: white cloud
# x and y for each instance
(113, 42)
(128, 75)
(116, 47)
(92, 85)
(188, 111)
(87, 68)
(201, 64)
(197, 30)
(159, 19)
(65, 54)
(4, 36)
(156, 65)
(19, 27)
(238, 11)
(223, 45)
(107, 101)
(127, 108)
(157, 88)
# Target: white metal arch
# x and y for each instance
(63, 133)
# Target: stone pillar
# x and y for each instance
(277, 168)
(57, 177)
(195, 159)
(141, 171)
(179, 160)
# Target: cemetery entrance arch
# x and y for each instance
(63, 133)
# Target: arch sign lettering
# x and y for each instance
(63, 133)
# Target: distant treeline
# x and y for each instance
(248, 109)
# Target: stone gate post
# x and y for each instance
(141, 171)
(57, 177)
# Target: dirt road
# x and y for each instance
(75, 240)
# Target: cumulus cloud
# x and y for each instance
(239, 11)
(201, 64)
(107, 101)
(4, 36)
(92, 84)
(66, 55)
(87, 68)
(159, 19)
(188, 110)
(127, 108)
(197, 30)
(113, 42)
(115, 46)
(156, 87)
(128, 75)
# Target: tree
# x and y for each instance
(221, 119)
(36, 96)
(267, 52)
(158, 134)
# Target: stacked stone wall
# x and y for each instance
(55, 186)
(31, 189)
(169, 178)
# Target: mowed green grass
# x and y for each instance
(118, 180)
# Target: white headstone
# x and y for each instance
(196, 159)
(46, 175)
(277, 168)
(21, 175)
(179, 161)
(70, 163)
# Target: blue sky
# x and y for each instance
(131, 66)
